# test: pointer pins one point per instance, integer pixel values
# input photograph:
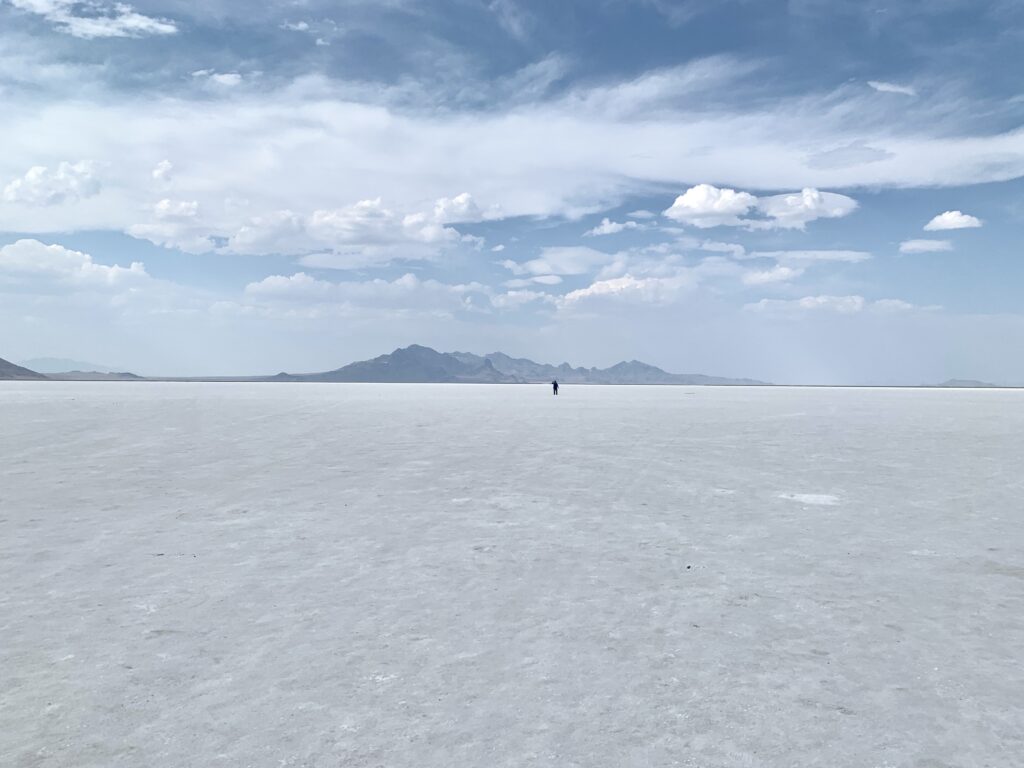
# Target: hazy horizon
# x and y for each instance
(50, 366)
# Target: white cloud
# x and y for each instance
(952, 220)
(32, 258)
(96, 18)
(498, 248)
(777, 274)
(163, 170)
(459, 209)
(524, 282)
(796, 210)
(641, 214)
(297, 286)
(547, 279)
(646, 290)
(925, 246)
(609, 227)
(884, 87)
(296, 26)
(69, 182)
(364, 234)
(561, 260)
(736, 250)
(895, 305)
(175, 224)
(808, 257)
(842, 304)
(406, 293)
(176, 209)
(225, 79)
(304, 145)
(517, 298)
(708, 206)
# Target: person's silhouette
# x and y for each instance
(554, 386)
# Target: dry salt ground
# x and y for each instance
(351, 575)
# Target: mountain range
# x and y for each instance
(418, 364)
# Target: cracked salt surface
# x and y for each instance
(325, 575)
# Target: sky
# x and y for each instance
(799, 191)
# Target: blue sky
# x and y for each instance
(801, 191)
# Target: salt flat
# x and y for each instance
(357, 575)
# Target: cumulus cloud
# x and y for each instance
(498, 248)
(32, 258)
(561, 260)
(641, 214)
(925, 246)
(883, 87)
(952, 220)
(68, 182)
(459, 209)
(175, 224)
(366, 233)
(96, 19)
(609, 227)
(706, 206)
(176, 209)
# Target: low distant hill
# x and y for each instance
(968, 384)
(12, 372)
(95, 376)
(418, 364)
(49, 365)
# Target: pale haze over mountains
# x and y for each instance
(63, 365)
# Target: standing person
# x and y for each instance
(554, 386)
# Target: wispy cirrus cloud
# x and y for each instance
(884, 87)
(925, 246)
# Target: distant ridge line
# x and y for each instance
(11, 372)
(419, 364)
